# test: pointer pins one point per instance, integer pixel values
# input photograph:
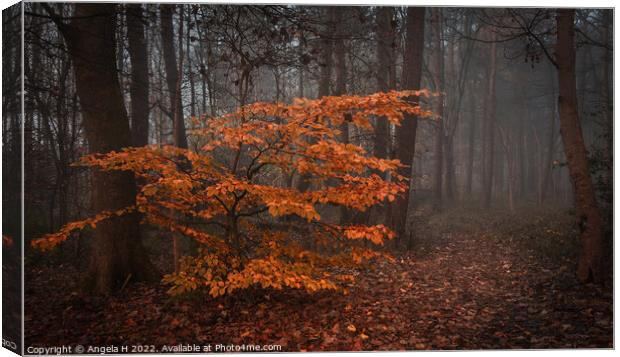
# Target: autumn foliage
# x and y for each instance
(236, 193)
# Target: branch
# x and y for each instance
(57, 19)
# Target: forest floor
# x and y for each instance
(471, 281)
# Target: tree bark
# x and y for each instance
(489, 127)
(173, 78)
(139, 89)
(327, 49)
(547, 178)
(338, 16)
(407, 131)
(326, 64)
(522, 142)
(606, 97)
(509, 152)
(470, 148)
(450, 176)
(117, 251)
(173, 75)
(439, 133)
(587, 211)
(190, 70)
(384, 32)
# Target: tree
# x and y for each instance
(325, 74)
(407, 131)
(139, 75)
(173, 73)
(384, 40)
(438, 78)
(117, 252)
(338, 15)
(471, 147)
(226, 202)
(588, 215)
(326, 62)
(488, 128)
(459, 57)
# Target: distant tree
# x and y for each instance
(338, 15)
(459, 56)
(488, 128)
(139, 89)
(438, 79)
(173, 73)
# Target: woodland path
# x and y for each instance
(459, 291)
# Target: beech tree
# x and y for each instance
(222, 197)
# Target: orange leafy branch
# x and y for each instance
(235, 194)
(49, 241)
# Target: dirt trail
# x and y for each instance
(472, 292)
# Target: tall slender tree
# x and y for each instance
(489, 124)
(588, 215)
(407, 131)
(173, 73)
(139, 89)
(438, 78)
(384, 31)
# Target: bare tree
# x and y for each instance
(438, 73)
(407, 131)
(489, 125)
(117, 251)
(588, 216)
(139, 75)
(173, 74)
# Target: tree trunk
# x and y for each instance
(587, 211)
(406, 132)
(327, 49)
(439, 133)
(139, 89)
(470, 148)
(326, 64)
(117, 251)
(173, 78)
(338, 16)
(190, 70)
(384, 32)
(450, 168)
(522, 147)
(173, 75)
(383, 141)
(498, 167)
(550, 150)
(509, 152)
(606, 97)
(489, 127)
